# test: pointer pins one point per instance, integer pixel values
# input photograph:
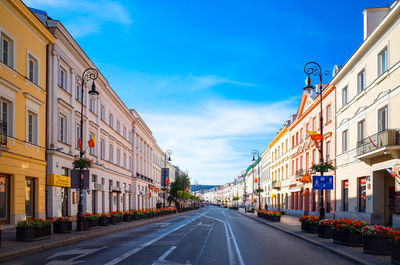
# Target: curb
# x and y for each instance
(315, 243)
(18, 253)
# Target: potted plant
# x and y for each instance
(127, 217)
(395, 255)
(376, 239)
(104, 219)
(89, 220)
(309, 224)
(274, 216)
(116, 217)
(33, 229)
(323, 167)
(140, 214)
(62, 225)
(82, 163)
(348, 232)
(326, 228)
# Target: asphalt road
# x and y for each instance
(210, 236)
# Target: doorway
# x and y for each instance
(30, 197)
(64, 201)
(4, 199)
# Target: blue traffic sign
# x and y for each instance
(322, 182)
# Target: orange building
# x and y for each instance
(304, 153)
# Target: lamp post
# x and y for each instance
(88, 74)
(313, 68)
(167, 158)
(254, 153)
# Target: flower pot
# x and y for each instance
(127, 218)
(376, 245)
(325, 231)
(62, 227)
(311, 228)
(27, 234)
(304, 226)
(94, 223)
(395, 254)
(44, 232)
(86, 224)
(104, 221)
(274, 218)
(348, 238)
(135, 217)
(115, 220)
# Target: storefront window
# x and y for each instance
(4, 203)
(314, 200)
(328, 200)
(29, 197)
(362, 194)
(345, 195)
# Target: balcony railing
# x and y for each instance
(385, 138)
(276, 185)
(3, 133)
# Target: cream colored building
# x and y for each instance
(368, 105)
(266, 177)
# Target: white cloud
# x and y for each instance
(84, 16)
(207, 141)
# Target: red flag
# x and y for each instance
(92, 141)
(149, 194)
(79, 143)
(187, 188)
(315, 136)
(255, 179)
(372, 142)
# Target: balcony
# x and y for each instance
(3, 134)
(379, 147)
(276, 185)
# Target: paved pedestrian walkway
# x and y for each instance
(291, 225)
(11, 248)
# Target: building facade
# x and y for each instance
(368, 98)
(24, 41)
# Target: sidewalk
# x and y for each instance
(292, 226)
(10, 248)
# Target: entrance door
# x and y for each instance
(64, 201)
(30, 197)
(94, 201)
(110, 202)
(4, 199)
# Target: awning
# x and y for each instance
(154, 188)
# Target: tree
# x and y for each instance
(177, 192)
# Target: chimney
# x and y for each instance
(372, 17)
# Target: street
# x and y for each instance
(212, 235)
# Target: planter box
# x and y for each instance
(127, 218)
(62, 227)
(311, 228)
(304, 226)
(274, 218)
(86, 225)
(396, 254)
(33, 234)
(347, 238)
(115, 220)
(325, 231)
(135, 217)
(94, 223)
(376, 245)
(104, 221)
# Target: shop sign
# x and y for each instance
(98, 186)
(58, 180)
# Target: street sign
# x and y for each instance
(323, 182)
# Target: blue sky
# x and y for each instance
(214, 79)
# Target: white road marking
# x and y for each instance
(229, 231)
(78, 251)
(163, 224)
(163, 256)
(133, 251)
(204, 244)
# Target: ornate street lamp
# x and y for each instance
(167, 158)
(88, 74)
(313, 68)
(256, 153)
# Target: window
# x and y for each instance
(362, 194)
(297, 138)
(382, 61)
(345, 195)
(344, 141)
(292, 142)
(62, 80)
(111, 120)
(307, 160)
(63, 129)
(383, 119)
(102, 113)
(328, 151)
(130, 163)
(7, 50)
(92, 150)
(92, 105)
(124, 161)
(314, 124)
(94, 178)
(314, 156)
(78, 135)
(111, 153)
(301, 162)
(64, 171)
(6, 114)
(360, 130)
(328, 114)
(286, 144)
(32, 128)
(124, 132)
(102, 149)
(307, 129)
(33, 70)
(292, 167)
(118, 126)
(29, 197)
(361, 81)
(344, 96)
(118, 157)
(78, 94)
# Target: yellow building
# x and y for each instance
(24, 41)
